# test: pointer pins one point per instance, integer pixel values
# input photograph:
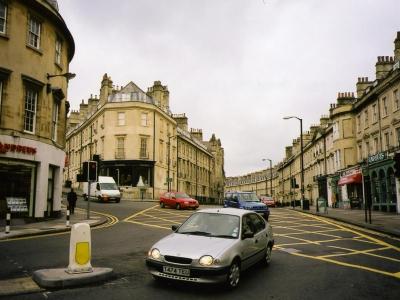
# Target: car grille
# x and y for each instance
(178, 260)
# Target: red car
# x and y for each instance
(269, 201)
(178, 200)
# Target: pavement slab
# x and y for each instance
(18, 286)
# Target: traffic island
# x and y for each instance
(60, 278)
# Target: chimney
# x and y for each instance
(345, 98)
(160, 93)
(288, 151)
(397, 47)
(181, 120)
(197, 134)
(383, 66)
(361, 85)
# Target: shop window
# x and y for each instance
(16, 188)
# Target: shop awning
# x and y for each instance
(353, 178)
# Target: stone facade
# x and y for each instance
(348, 156)
(136, 135)
(36, 48)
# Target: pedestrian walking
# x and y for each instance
(71, 197)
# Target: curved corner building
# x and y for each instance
(36, 48)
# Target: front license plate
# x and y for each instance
(176, 271)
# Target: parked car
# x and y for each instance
(246, 200)
(212, 246)
(178, 200)
(267, 200)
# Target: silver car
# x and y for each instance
(211, 246)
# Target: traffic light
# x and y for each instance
(89, 170)
(396, 165)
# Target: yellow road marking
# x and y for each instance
(146, 224)
(139, 213)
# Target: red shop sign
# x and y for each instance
(4, 148)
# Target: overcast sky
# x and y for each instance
(235, 67)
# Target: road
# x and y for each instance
(314, 258)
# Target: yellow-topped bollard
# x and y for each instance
(80, 249)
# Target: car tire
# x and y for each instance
(233, 277)
(268, 255)
(162, 205)
(178, 206)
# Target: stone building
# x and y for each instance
(136, 135)
(348, 157)
(36, 48)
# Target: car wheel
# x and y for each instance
(178, 206)
(162, 205)
(233, 276)
(268, 255)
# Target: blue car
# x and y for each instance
(246, 200)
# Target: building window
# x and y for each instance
(1, 95)
(54, 121)
(358, 123)
(121, 119)
(143, 119)
(396, 99)
(120, 153)
(360, 156)
(374, 114)
(387, 140)
(58, 50)
(161, 151)
(143, 147)
(34, 33)
(31, 97)
(3, 17)
(376, 145)
(366, 118)
(398, 136)
(366, 149)
(384, 107)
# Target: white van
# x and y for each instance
(105, 190)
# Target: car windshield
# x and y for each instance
(212, 225)
(250, 197)
(108, 186)
(181, 195)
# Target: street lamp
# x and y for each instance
(67, 75)
(301, 156)
(169, 162)
(270, 176)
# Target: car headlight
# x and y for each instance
(154, 253)
(206, 260)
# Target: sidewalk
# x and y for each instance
(19, 228)
(388, 223)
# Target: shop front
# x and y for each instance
(350, 184)
(30, 178)
(380, 183)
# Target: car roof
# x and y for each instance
(226, 211)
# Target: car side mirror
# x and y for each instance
(248, 234)
(174, 227)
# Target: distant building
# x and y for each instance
(136, 135)
(36, 47)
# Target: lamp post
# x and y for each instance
(301, 156)
(270, 176)
(169, 162)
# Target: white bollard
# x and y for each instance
(67, 222)
(8, 221)
(80, 249)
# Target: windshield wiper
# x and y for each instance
(224, 236)
(196, 233)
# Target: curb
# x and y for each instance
(362, 225)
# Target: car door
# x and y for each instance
(164, 198)
(249, 245)
(172, 199)
(260, 235)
